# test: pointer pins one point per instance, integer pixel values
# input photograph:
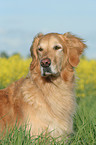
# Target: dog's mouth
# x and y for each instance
(46, 71)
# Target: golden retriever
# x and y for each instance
(45, 98)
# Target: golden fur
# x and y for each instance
(45, 101)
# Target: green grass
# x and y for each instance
(84, 127)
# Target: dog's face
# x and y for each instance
(52, 51)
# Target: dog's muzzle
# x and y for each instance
(45, 67)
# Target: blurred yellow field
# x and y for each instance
(12, 69)
(15, 67)
(86, 76)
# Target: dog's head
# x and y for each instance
(53, 52)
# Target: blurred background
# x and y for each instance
(21, 20)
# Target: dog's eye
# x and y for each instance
(40, 49)
(57, 47)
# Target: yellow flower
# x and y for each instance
(12, 69)
(15, 67)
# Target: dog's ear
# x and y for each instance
(33, 50)
(75, 48)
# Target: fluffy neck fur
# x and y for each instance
(54, 91)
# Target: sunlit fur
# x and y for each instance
(45, 102)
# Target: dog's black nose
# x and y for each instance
(46, 62)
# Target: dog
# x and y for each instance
(45, 98)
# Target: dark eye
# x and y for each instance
(40, 49)
(56, 47)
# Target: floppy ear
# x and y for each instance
(33, 50)
(75, 48)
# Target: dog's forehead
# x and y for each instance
(49, 40)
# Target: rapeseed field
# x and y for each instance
(12, 69)
(15, 67)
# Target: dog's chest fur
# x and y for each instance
(52, 108)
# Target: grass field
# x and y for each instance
(84, 119)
